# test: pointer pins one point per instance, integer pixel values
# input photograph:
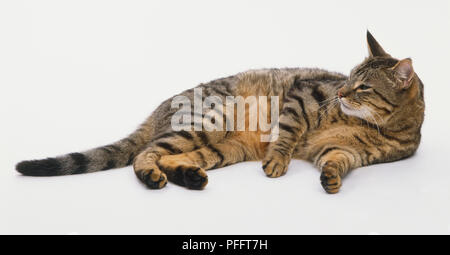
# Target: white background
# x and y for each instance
(78, 74)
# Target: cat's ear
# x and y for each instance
(404, 72)
(374, 47)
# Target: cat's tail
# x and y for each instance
(115, 155)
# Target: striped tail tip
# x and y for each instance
(43, 167)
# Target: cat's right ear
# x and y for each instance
(404, 72)
(375, 49)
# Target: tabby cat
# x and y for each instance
(338, 122)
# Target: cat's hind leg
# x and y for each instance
(188, 169)
(145, 164)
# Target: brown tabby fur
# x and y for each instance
(337, 122)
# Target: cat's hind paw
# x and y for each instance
(152, 178)
(190, 176)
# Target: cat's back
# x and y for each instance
(288, 72)
(273, 81)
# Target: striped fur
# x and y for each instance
(338, 122)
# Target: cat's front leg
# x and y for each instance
(330, 178)
(275, 164)
(335, 162)
(279, 152)
(293, 123)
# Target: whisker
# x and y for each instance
(326, 103)
(379, 117)
(328, 100)
(331, 105)
(370, 114)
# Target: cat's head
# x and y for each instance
(380, 87)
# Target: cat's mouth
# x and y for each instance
(349, 109)
(346, 106)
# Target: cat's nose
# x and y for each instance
(339, 94)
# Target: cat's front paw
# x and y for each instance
(330, 179)
(275, 165)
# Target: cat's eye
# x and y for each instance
(364, 87)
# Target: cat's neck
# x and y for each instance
(410, 114)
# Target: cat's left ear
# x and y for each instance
(404, 72)
(375, 49)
